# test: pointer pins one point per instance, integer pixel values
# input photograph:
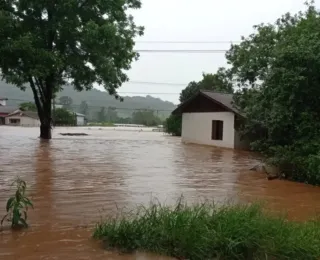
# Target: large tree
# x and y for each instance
(46, 44)
(278, 69)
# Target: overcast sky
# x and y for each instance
(191, 20)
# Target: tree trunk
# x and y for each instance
(43, 93)
(45, 131)
(46, 121)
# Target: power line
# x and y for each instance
(188, 42)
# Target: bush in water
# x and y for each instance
(17, 206)
(207, 231)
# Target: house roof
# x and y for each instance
(8, 109)
(223, 99)
(78, 114)
(30, 114)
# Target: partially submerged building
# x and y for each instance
(209, 118)
(5, 110)
(81, 119)
(22, 118)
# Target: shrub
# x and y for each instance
(206, 231)
(17, 206)
(173, 125)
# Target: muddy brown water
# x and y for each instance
(73, 181)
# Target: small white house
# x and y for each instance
(23, 118)
(81, 119)
(209, 118)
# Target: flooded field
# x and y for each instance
(73, 181)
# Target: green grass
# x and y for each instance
(208, 231)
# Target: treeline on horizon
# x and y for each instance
(63, 114)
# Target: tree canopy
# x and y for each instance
(218, 82)
(145, 117)
(277, 68)
(64, 117)
(84, 108)
(46, 44)
(66, 102)
(28, 106)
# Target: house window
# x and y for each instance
(14, 121)
(217, 130)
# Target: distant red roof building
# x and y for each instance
(6, 110)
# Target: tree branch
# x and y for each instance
(36, 99)
(41, 90)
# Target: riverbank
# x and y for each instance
(207, 231)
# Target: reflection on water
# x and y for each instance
(75, 180)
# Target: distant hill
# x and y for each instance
(95, 99)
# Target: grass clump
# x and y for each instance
(208, 231)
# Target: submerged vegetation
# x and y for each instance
(17, 206)
(208, 231)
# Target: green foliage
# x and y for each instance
(66, 102)
(64, 117)
(126, 120)
(145, 117)
(112, 115)
(220, 82)
(84, 108)
(173, 125)
(28, 106)
(207, 231)
(277, 68)
(41, 48)
(17, 206)
(102, 115)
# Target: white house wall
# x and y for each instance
(197, 128)
(24, 121)
(28, 121)
(80, 120)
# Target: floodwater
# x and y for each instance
(73, 181)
